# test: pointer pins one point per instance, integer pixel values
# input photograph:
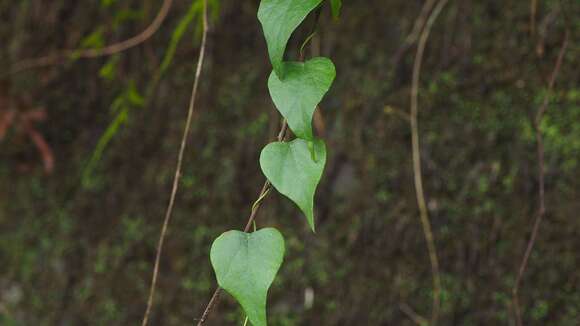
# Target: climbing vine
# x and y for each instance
(246, 263)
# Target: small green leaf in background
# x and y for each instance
(298, 94)
(107, 3)
(245, 265)
(95, 40)
(133, 96)
(293, 172)
(279, 19)
(109, 70)
(335, 6)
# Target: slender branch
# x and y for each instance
(417, 28)
(541, 174)
(416, 318)
(552, 81)
(424, 215)
(212, 302)
(420, 22)
(114, 48)
(178, 167)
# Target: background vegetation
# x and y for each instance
(81, 208)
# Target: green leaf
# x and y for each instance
(194, 9)
(245, 265)
(109, 69)
(133, 96)
(298, 94)
(293, 171)
(335, 6)
(279, 19)
(94, 40)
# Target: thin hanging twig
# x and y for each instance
(178, 166)
(417, 174)
(95, 53)
(418, 26)
(541, 174)
(420, 22)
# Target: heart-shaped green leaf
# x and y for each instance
(245, 265)
(294, 170)
(279, 19)
(303, 87)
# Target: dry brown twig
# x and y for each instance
(416, 318)
(418, 26)
(178, 166)
(114, 48)
(417, 174)
(541, 175)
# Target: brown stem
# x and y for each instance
(424, 215)
(541, 174)
(417, 28)
(95, 53)
(178, 167)
(415, 317)
(210, 305)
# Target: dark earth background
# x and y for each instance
(77, 241)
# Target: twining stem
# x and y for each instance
(177, 175)
(541, 173)
(419, 24)
(423, 212)
(95, 53)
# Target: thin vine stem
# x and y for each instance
(418, 26)
(537, 122)
(415, 317)
(417, 174)
(177, 175)
(108, 50)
